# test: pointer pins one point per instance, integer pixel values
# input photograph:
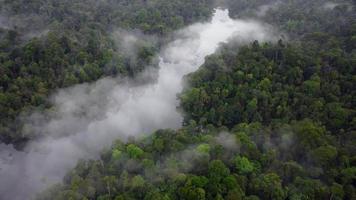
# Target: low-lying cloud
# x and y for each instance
(29, 26)
(262, 10)
(130, 41)
(332, 5)
(86, 118)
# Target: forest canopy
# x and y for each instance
(46, 45)
(263, 120)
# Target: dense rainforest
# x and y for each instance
(265, 120)
(46, 45)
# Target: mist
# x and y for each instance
(128, 42)
(330, 5)
(262, 10)
(86, 118)
(3, 22)
(29, 26)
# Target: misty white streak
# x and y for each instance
(125, 110)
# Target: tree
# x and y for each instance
(235, 194)
(134, 151)
(203, 148)
(190, 193)
(230, 182)
(216, 173)
(324, 155)
(252, 106)
(269, 185)
(158, 145)
(312, 86)
(243, 165)
(116, 154)
(111, 182)
(309, 134)
(337, 192)
(137, 182)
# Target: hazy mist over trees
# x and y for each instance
(180, 99)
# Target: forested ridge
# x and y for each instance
(265, 120)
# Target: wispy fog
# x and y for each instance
(87, 118)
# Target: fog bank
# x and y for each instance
(88, 117)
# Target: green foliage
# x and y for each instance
(116, 154)
(134, 151)
(79, 47)
(290, 105)
(269, 186)
(292, 90)
(218, 170)
(243, 165)
(193, 194)
(137, 182)
(324, 154)
(296, 17)
(203, 148)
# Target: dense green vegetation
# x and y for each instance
(290, 136)
(262, 121)
(45, 45)
(297, 17)
(253, 162)
(276, 83)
